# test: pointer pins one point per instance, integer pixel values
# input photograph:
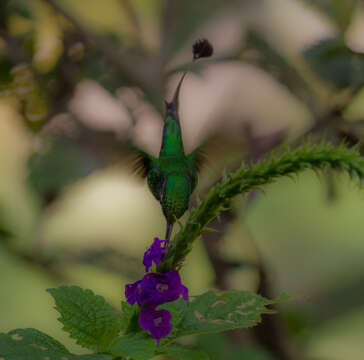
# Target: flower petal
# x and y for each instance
(154, 254)
(184, 292)
(157, 322)
(131, 292)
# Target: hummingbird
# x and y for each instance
(173, 175)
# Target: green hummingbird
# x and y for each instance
(173, 176)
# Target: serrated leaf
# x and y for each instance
(32, 344)
(87, 317)
(335, 63)
(183, 353)
(213, 312)
(137, 346)
(32, 336)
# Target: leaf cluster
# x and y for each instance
(94, 324)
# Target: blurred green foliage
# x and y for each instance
(335, 63)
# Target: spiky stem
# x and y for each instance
(244, 180)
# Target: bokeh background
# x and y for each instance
(82, 83)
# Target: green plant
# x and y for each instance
(112, 334)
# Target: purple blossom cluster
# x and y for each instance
(155, 289)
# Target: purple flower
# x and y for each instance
(161, 288)
(156, 289)
(157, 322)
(132, 291)
(154, 253)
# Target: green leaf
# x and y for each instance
(128, 311)
(178, 310)
(335, 63)
(213, 312)
(183, 353)
(137, 346)
(31, 344)
(87, 317)
(33, 336)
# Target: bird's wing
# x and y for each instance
(198, 157)
(142, 162)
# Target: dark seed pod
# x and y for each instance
(202, 48)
